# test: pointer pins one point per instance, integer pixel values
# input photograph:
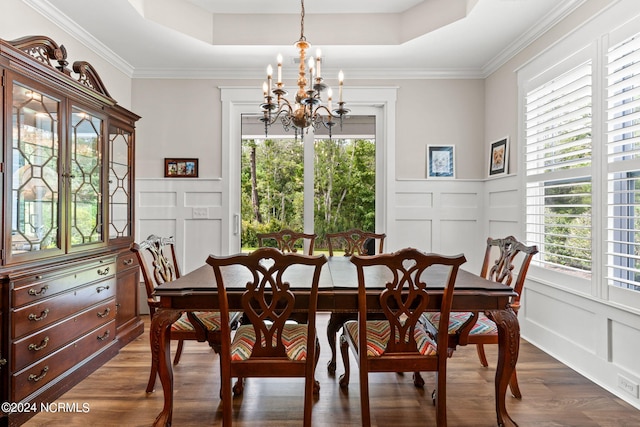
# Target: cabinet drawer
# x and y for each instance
(30, 318)
(30, 290)
(126, 260)
(46, 370)
(33, 347)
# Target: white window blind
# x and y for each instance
(623, 164)
(558, 170)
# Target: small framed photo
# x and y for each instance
(499, 157)
(441, 161)
(180, 168)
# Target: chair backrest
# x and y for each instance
(158, 262)
(405, 295)
(268, 300)
(286, 240)
(355, 242)
(500, 259)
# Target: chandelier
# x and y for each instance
(308, 109)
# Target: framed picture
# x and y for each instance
(180, 168)
(499, 157)
(441, 161)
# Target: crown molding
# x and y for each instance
(53, 14)
(519, 44)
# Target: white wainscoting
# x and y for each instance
(443, 216)
(186, 208)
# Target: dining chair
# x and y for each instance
(355, 242)
(500, 259)
(157, 258)
(268, 345)
(399, 343)
(288, 240)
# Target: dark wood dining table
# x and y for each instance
(338, 293)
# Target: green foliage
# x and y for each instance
(344, 186)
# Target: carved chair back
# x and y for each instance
(158, 262)
(288, 240)
(355, 242)
(500, 260)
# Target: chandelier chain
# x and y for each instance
(302, 21)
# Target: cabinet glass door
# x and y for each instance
(85, 176)
(35, 166)
(120, 141)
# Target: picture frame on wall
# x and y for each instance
(499, 157)
(180, 168)
(441, 161)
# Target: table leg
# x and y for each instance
(160, 339)
(508, 347)
(333, 326)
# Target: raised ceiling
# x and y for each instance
(365, 38)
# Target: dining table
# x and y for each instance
(337, 293)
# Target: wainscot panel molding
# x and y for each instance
(188, 209)
(444, 216)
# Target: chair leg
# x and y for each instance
(176, 358)
(238, 387)
(441, 399)
(481, 355)
(513, 385)
(227, 402)
(344, 351)
(152, 378)
(316, 383)
(418, 381)
(364, 397)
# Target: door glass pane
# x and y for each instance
(272, 179)
(35, 171)
(85, 176)
(272, 187)
(119, 183)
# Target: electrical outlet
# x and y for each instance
(200, 213)
(627, 385)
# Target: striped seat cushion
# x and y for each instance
(483, 326)
(294, 338)
(378, 332)
(210, 319)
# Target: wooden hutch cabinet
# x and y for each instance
(69, 284)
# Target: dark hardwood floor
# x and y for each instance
(553, 395)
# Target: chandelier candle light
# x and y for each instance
(307, 109)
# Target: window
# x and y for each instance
(623, 164)
(558, 133)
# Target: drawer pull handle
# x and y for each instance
(103, 272)
(43, 344)
(42, 291)
(102, 288)
(128, 261)
(37, 318)
(104, 336)
(35, 378)
(105, 313)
